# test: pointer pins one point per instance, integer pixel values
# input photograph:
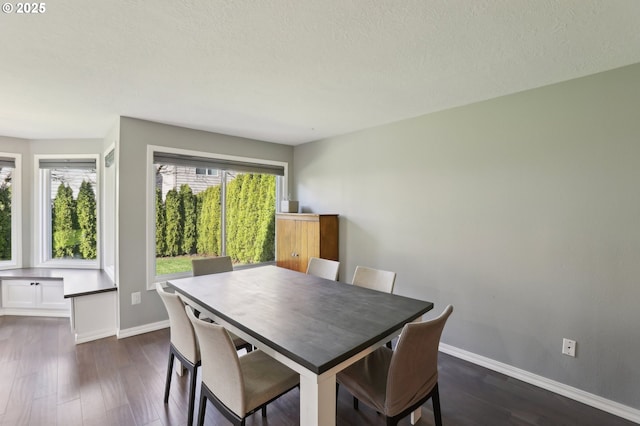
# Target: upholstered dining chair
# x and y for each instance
(216, 265)
(237, 386)
(184, 344)
(374, 279)
(396, 383)
(211, 265)
(323, 268)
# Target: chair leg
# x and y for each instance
(202, 408)
(264, 410)
(192, 395)
(435, 400)
(355, 403)
(167, 382)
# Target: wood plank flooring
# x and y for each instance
(47, 380)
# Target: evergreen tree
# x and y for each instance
(250, 218)
(5, 222)
(86, 214)
(209, 221)
(236, 200)
(174, 215)
(189, 231)
(265, 237)
(161, 224)
(63, 218)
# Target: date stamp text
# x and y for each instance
(24, 8)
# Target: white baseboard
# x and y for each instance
(94, 335)
(134, 331)
(25, 312)
(576, 394)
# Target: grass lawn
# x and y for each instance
(173, 265)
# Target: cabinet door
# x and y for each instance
(286, 243)
(308, 243)
(51, 295)
(18, 294)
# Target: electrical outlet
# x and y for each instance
(569, 347)
(135, 298)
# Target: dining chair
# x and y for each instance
(211, 265)
(374, 279)
(396, 383)
(323, 268)
(237, 386)
(216, 265)
(184, 344)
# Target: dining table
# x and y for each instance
(315, 326)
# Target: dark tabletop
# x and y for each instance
(315, 322)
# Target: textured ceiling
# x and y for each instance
(291, 71)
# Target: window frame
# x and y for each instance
(207, 172)
(16, 213)
(42, 215)
(152, 278)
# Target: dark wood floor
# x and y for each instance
(47, 380)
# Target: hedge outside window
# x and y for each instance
(9, 209)
(225, 212)
(69, 210)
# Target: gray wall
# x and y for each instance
(135, 136)
(522, 211)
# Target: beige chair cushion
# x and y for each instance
(367, 378)
(183, 337)
(390, 381)
(265, 378)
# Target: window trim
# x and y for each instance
(152, 278)
(42, 216)
(16, 213)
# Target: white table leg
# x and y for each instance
(415, 416)
(317, 401)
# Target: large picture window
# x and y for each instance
(227, 211)
(69, 211)
(9, 210)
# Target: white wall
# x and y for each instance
(522, 211)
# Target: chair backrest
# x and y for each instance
(323, 268)
(413, 371)
(211, 265)
(221, 371)
(374, 279)
(183, 337)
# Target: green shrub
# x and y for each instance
(86, 214)
(174, 215)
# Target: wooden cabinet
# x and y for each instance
(34, 297)
(300, 236)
